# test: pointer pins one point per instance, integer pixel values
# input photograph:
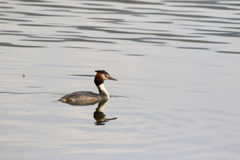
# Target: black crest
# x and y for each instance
(101, 71)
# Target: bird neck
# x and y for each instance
(102, 90)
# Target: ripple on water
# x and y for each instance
(134, 55)
(15, 45)
(229, 52)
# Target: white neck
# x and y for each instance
(102, 90)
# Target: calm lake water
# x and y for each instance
(178, 70)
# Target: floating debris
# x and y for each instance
(24, 75)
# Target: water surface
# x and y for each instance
(178, 71)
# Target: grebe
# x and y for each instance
(88, 98)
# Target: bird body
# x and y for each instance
(88, 98)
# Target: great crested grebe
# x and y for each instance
(87, 98)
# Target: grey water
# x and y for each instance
(178, 70)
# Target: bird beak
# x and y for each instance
(110, 78)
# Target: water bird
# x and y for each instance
(89, 98)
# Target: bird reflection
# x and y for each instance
(98, 115)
